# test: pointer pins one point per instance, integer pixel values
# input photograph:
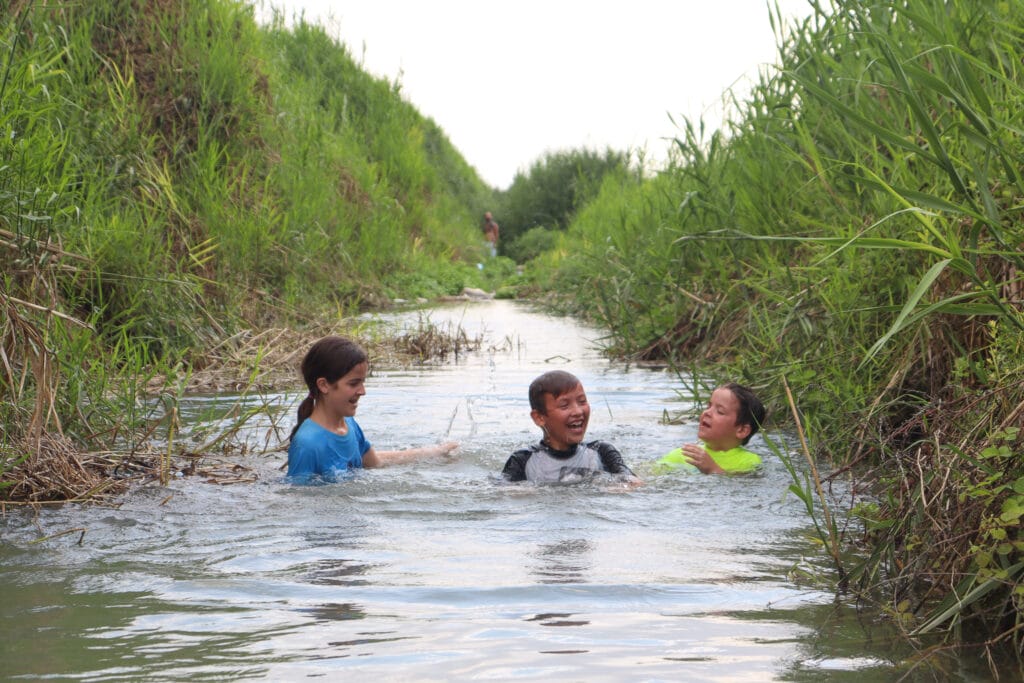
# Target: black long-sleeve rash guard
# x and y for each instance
(542, 464)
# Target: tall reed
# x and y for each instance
(856, 231)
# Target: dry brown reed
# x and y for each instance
(269, 359)
(940, 518)
(248, 359)
(428, 342)
(58, 472)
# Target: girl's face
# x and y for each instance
(565, 418)
(342, 398)
(718, 428)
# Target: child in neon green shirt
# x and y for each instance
(734, 414)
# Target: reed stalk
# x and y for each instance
(830, 535)
(853, 246)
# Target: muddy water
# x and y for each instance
(436, 570)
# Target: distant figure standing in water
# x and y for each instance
(491, 231)
(327, 440)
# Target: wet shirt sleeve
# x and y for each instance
(515, 466)
(362, 443)
(611, 459)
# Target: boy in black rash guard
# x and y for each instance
(558, 405)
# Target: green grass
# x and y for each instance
(172, 174)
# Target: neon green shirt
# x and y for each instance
(734, 461)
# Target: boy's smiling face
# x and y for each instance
(718, 423)
(565, 418)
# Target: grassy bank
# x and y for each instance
(857, 237)
(173, 175)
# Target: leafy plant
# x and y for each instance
(855, 231)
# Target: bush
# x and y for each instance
(531, 244)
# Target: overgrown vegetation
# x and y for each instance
(179, 186)
(543, 201)
(172, 176)
(856, 236)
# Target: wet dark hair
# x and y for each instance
(555, 382)
(331, 358)
(751, 412)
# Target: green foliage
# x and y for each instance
(429, 282)
(531, 244)
(497, 273)
(172, 173)
(555, 187)
(856, 232)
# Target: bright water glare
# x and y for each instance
(437, 570)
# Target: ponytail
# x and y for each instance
(305, 410)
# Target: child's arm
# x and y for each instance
(612, 462)
(515, 466)
(699, 458)
(375, 458)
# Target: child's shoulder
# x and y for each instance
(309, 429)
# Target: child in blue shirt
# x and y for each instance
(327, 440)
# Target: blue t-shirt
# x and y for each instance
(315, 451)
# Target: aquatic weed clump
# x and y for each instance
(429, 341)
(53, 469)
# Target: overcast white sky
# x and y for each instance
(510, 81)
